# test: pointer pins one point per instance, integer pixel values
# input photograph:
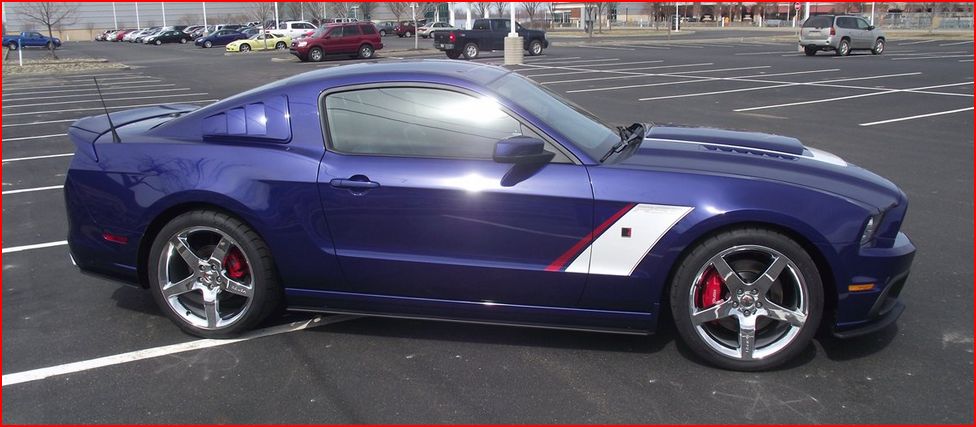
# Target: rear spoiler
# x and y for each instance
(85, 132)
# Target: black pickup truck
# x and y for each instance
(487, 35)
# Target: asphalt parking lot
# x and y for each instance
(906, 115)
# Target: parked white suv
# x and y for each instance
(295, 29)
(841, 34)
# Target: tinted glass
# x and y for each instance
(368, 29)
(350, 30)
(819, 22)
(504, 26)
(481, 25)
(584, 129)
(862, 24)
(416, 122)
(845, 22)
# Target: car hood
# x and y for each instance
(752, 155)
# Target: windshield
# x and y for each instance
(584, 129)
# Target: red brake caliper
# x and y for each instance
(235, 264)
(712, 293)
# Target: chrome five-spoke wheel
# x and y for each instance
(212, 274)
(206, 277)
(747, 299)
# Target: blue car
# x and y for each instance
(219, 38)
(465, 192)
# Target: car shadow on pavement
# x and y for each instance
(496, 334)
(838, 349)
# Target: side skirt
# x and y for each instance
(577, 319)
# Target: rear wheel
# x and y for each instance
(315, 55)
(535, 48)
(747, 299)
(470, 51)
(408, 34)
(382, 33)
(12, 46)
(844, 48)
(281, 46)
(245, 47)
(879, 47)
(366, 51)
(810, 51)
(212, 275)
(453, 54)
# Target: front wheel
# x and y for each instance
(535, 48)
(158, 42)
(212, 274)
(315, 55)
(49, 45)
(382, 33)
(208, 44)
(408, 34)
(245, 48)
(748, 299)
(183, 41)
(879, 46)
(12, 46)
(366, 51)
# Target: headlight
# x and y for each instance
(302, 44)
(871, 228)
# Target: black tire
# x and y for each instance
(158, 42)
(183, 41)
(316, 54)
(774, 342)
(408, 34)
(844, 48)
(281, 46)
(366, 51)
(453, 54)
(470, 51)
(49, 45)
(382, 33)
(810, 51)
(535, 48)
(265, 288)
(879, 46)
(208, 44)
(245, 48)
(400, 35)
(12, 46)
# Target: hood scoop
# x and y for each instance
(727, 139)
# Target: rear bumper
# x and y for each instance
(819, 43)
(860, 313)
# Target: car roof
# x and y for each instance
(480, 74)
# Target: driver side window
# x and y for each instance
(417, 122)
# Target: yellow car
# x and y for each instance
(260, 41)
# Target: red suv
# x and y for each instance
(354, 38)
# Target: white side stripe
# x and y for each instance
(615, 255)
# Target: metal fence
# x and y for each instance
(926, 21)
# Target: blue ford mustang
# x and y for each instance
(459, 191)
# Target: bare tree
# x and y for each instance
(610, 5)
(483, 8)
(398, 9)
(50, 15)
(262, 12)
(500, 7)
(531, 8)
(340, 9)
(366, 8)
(91, 29)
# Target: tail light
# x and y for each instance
(833, 31)
(452, 37)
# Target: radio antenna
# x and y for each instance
(111, 126)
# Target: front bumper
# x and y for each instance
(860, 313)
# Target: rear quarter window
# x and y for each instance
(368, 29)
(819, 22)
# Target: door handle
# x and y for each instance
(353, 184)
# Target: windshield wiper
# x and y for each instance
(628, 136)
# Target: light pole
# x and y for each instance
(872, 12)
(204, 17)
(276, 16)
(163, 5)
(677, 18)
(115, 17)
(467, 22)
(413, 15)
(138, 25)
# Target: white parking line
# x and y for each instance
(592, 71)
(100, 108)
(639, 46)
(931, 57)
(654, 75)
(150, 353)
(176, 89)
(22, 138)
(106, 85)
(957, 43)
(699, 79)
(901, 119)
(605, 47)
(618, 77)
(32, 247)
(31, 190)
(913, 43)
(763, 53)
(39, 123)
(965, 60)
(926, 53)
(577, 62)
(105, 91)
(47, 156)
(748, 89)
(841, 98)
(108, 101)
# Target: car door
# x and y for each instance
(351, 38)
(34, 39)
(865, 35)
(501, 31)
(418, 208)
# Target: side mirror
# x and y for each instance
(870, 27)
(521, 150)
